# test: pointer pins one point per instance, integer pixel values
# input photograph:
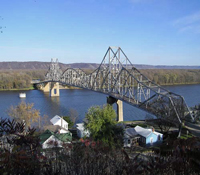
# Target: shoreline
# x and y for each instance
(71, 87)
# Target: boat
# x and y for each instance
(22, 95)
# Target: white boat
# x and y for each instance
(22, 95)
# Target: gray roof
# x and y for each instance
(142, 131)
(130, 132)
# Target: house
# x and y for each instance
(148, 136)
(56, 129)
(57, 120)
(142, 136)
(131, 137)
(49, 139)
(81, 131)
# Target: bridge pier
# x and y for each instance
(54, 90)
(46, 88)
(111, 101)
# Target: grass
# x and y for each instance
(22, 89)
(185, 136)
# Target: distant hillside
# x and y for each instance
(45, 65)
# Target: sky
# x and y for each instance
(154, 32)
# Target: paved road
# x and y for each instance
(193, 128)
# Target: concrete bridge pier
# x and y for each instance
(111, 101)
(54, 90)
(46, 87)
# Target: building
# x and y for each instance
(57, 120)
(55, 129)
(142, 136)
(81, 131)
(49, 139)
(131, 138)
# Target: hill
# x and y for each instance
(45, 65)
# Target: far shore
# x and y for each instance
(71, 87)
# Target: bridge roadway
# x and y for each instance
(118, 78)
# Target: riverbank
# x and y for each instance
(177, 84)
(22, 89)
(71, 87)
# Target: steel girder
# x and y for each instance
(117, 77)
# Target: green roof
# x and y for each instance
(65, 137)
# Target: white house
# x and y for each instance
(57, 120)
(49, 139)
(56, 129)
(81, 131)
(141, 135)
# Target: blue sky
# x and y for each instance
(156, 32)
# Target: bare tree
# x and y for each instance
(73, 114)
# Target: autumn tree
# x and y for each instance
(24, 113)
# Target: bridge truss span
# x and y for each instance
(117, 77)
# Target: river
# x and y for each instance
(82, 100)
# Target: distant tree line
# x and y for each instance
(175, 76)
(19, 79)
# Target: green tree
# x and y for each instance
(24, 113)
(69, 121)
(101, 122)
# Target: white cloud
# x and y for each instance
(190, 23)
(190, 19)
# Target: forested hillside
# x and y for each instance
(21, 79)
(175, 76)
(35, 65)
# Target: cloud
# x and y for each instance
(190, 23)
(190, 19)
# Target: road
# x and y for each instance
(193, 128)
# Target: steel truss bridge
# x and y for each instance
(118, 78)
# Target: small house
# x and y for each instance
(130, 137)
(148, 136)
(142, 136)
(57, 120)
(81, 131)
(56, 129)
(49, 139)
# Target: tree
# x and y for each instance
(69, 121)
(24, 113)
(101, 122)
(19, 148)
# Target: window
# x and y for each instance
(129, 141)
(151, 140)
(159, 137)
